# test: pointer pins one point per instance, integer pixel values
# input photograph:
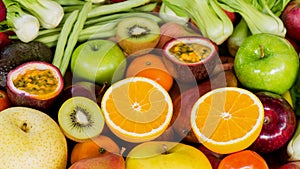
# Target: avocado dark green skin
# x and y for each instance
(19, 52)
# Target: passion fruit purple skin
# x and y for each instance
(190, 72)
(23, 98)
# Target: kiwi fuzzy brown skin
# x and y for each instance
(137, 35)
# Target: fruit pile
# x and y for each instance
(137, 84)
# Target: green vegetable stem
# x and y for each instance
(25, 25)
(258, 16)
(208, 16)
(48, 12)
(74, 35)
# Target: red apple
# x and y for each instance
(279, 123)
(291, 165)
(291, 19)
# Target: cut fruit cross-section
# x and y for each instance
(137, 109)
(80, 118)
(227, 119)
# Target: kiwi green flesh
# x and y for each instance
(80, 118)
(138, 29)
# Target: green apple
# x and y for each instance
(166, 154)
(100, 61)
(31, 139)
(266, 62)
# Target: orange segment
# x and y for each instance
(137, 109)
(228, 119)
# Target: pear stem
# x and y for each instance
(262, 51)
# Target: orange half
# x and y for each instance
(228, 119)
(137, 109)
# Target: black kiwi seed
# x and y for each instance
(134, 34)
(76, 123)
(80, 118)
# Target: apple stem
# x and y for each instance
(262, 51)
(266, 120)
(165, 149)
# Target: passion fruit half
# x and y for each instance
(35, 84)
(190, 58)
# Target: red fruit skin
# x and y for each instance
(294, 43)
(4, 38)
(279, 123)
(232, 16)
(111, 161)
(2, 11)
(291, 165)
(21, 99)
(291, 19)
(4, 100)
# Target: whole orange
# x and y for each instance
(142, 62)
(98, 146)
(160, 76)
(243, 159)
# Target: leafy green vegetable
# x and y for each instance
(48, 12)
(208, 16)
(25, 25)
(168, 15)
(258, 15)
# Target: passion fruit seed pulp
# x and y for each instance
(37, 82)
(34, 84)
(190, 52)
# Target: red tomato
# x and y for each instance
(4, 101)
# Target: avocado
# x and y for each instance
(18, 52)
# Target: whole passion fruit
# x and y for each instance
(34, 84)
(190, 58)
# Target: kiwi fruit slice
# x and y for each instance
(80, 118)
(137, 35)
